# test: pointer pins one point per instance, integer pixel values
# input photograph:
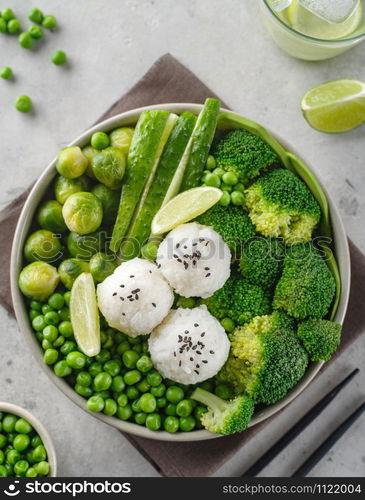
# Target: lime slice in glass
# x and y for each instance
(335, 106)
(85, 315)
(305, 22)
(184, 207)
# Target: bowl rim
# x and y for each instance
(22, 228)
(19, 411)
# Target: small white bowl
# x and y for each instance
(39, 428)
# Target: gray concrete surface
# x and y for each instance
(110, 45)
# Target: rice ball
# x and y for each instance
(195, 260)
(189, 346)
(135, 298)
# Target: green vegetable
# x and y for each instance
(110, 200)
(152, 131)
(238, 300)
(101, 266)
(266, 359)
(49, 22)
(49, 216)
(83, 213)
(225, 199)
(320, 337)
(6, 73)
(14, 26)
(3, 25)
(225, 417)
(71, 162)
(280, 204)
(35, 32)
(35, 15)
(237, 198)
(174, 394)
(90, 152)
(212, 180)
(42, 245)
(306, 287)
(84, 247)
(108, 167)
(25, 40)
(201, 141)
(155, 194)
(153, 421)
(23, 104)
(100, 140)
(7, 14)
(232, 223)
(38, 280)
(70, 269)
(121, 138)
(66, 187)
(59, 57)
(262, 261)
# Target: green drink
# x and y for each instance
(314, 34)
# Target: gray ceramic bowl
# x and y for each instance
(25, 219)
(39, 428)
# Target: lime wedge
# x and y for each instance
(184, 207)
(335, 106)
(85, 315)
(305, 22)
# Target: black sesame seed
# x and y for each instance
(186, 331)
(123, 314)
(207, 275)
(211, 352)
(180, 337)
(197, 366)
(185, 247)
(191, 359)
(186, 265)
(204, 361)
(179, 260)
(154, 305)
(195, 244)
(177, 245)
(114, 294)
(150, 271)
(129, 296)
(194, 347)
(121, 286)
(121, 298)
(136, 290)
(206, 269)
(175, 256)
(131, 276)
(198, 352)
(196, 371)
(196, 325)
(202, 334)
(180, 362)
(175, 354)
(194, 262)
(158, 266)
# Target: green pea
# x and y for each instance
(154, 378)
(31, 472)
(158, 390)
(56, 301)
(59, 57)
(225, 199)
(226, 188)
(7, 14)
(51, 318)
(95, 404)
(3, 470)
(187, 424)
(42, 468)
(64, 314)
(86, 392)
(240, 187)
(123, 347)
(36, 441)
(198, 413)
(102, 381)
(68, 347)
(14, 26)
(130, 359)
(140, 418)
(33, 314)
(35, 32)
(143, 386)
(26, 42)
(9, 469)
(11, 437)
(144, 364)
(84, 379)
(149, 251)
(161, 402)
(219, 171)
(103, 356)
(137, 348)
(122, 400)
(148, 403)
(119, 337)
(132, 392)
(100, 140)
(237, 198)
(39, 323)
(174, 394)
(224, 391)
(50, 332)
(67, 297)
(112, 367)
(230, 178)
(49, 22)
(212, 180)
(207, 385)
(37, 306)
(3, 25)
(62, 369)
(35, 15)
(153, 421)
(228, 324)
(186, 302)
(184, 408)
(6, 73)
(21, 467)
(118, 384)
(9, 422)
(13, 456)
(132, 377)
(46, 308)
(2, 457)
(65, 329)
(124, 412)
(50, 356)
(23, 426)
(136, 406)
(3, 441)
(110, 407)
(210, 165)
(59, 341)
(76, 360)
(170, 409)
(95, 368)
(171, 424)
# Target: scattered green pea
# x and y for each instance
(14, 26)
(3, 25)
(35, 15)
(7, 14)
(49, 22)
(23, 104)
(59, 57)
(25, 40)
(228, 324)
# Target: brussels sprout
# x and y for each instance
(71, 162)
(101, 266)
(109, 167)
(70, 269)
(110, 201)
(38, 280)
(83, 213)
(90, 152)
(66, 187)
(50, 216)
(84, 247)
(121, 138)
(42, 245)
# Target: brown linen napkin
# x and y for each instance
(169, 81)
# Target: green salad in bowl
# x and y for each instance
(180, 273)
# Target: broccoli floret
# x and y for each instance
(320, 338)
(225, 417)
(238, 300)
(306, 287)
(281, 205)
(232, 223)
(262, 261)
(245, 154)
(267, 358)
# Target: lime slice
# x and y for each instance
(305, 22)
(85, 315)
(184, 207)
(335, 106)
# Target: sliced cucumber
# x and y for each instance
(151, 133)
(155, 193)
(202, 139)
